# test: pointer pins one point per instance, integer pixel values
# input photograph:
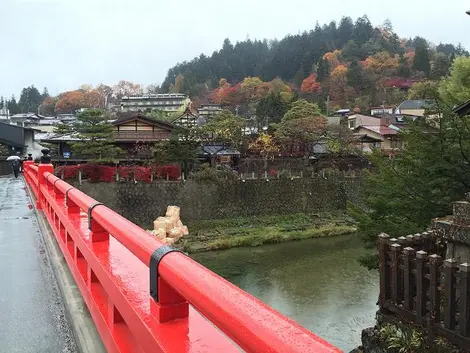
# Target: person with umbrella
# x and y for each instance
(15, 162)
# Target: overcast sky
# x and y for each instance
(62, 44)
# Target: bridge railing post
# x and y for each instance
(44, 166)
(27, 170)
(167, 303)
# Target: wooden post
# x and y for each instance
(402, 241)
(464, 320)
(421, 257)
(253, 175)
(79, 176)
(435, 262)
(383, 268)
(450, 270)
(396, 249)
(409, 255)
(265, 174)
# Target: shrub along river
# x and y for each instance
(316, 282)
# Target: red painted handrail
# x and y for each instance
(110, 263)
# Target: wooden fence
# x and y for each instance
(423, 289)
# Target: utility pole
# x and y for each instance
(327, 105)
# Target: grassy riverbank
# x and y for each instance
(255, 231)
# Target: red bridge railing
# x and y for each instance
(145, 297)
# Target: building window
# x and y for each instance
(377, 144)
(352, 123)
(396, 144)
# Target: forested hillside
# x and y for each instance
(354, 63)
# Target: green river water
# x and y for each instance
(316, 282)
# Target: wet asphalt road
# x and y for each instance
(32, 316)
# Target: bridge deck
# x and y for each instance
(31, 309)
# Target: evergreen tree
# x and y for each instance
(97, 136)
(182, 148)
(13, 106)
(30, 100)
(2, 102)
(299, 77)
(323, 70)
(421, 61)
(440, 66)
(345, 30)
(271, 109)
(45, 93)
(355, 75)
(363, 30)
(63, 129)
(403, 69)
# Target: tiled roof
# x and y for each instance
(383, 130)
(219, 150)
(462, 109)
(413, 104)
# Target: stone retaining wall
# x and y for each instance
(143, 202)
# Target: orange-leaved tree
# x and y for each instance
(70, 101)
(332, 58)
(310, 84)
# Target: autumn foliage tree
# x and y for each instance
(310, 85)
(338, 84)
(126, 88)
(69, 102)
(332, 58)
(47, 107)
(265, 146)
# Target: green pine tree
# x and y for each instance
(299, 77)
(422, 59)
(323, 70)
(12, 106)
(355, 75)
(97, 137)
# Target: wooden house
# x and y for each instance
(131, 130)
(189, 120)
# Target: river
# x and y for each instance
(316, 282)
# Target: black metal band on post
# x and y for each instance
(67, 194)
(53, 185)
(90, 209)
(155, 259)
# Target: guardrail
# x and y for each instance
(147, 297)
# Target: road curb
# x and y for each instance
(86, 336)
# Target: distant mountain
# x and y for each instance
(364, 55)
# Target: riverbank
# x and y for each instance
(254, 231)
